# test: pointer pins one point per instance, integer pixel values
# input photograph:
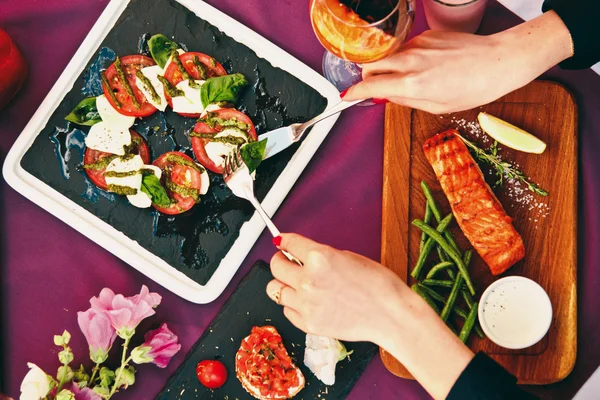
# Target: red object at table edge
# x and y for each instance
(14, 69)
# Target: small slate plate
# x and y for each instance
(250, 306)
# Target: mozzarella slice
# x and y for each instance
(321, 356)
(217, 151)
(140, 199)
(152, 74)
(108, 138)
(133, 165)
(190, 102)
(205, 182)
(110, 116)
(209, 108)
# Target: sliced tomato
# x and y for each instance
(91, 156)
(199, 143)
(174, 76)
(131, 64)
(181, 175)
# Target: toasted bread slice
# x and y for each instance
(264, 368)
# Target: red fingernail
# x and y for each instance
(380, 101)
(343, 94)
(277, 241)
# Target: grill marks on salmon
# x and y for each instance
(475, 207)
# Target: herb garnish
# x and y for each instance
(502, 169)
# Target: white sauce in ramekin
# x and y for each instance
(515, 312)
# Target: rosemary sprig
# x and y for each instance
(502, 168)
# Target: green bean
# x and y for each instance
(438, 267)
(457, 310)
(438, 282)
(465, 294)
(469, 322)
(431, 201)
(427, 220)
(452, 298)
(425, 297)
(435, 235)
(437, 213)
(428, 247)
(441, 254)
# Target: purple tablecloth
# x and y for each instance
(49, 271)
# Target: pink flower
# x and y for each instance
(125, 313)
(160, 346)
(98, 332)
(85, 393)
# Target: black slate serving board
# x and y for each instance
(250, 306)
(196, 241)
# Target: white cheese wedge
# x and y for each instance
(205, 180)
(217, 151)
(108, 138)
(209, 108)
(140, 199)
(110, 116)
(152, 74)
(321, 356)
(190, 102)
(133, 165)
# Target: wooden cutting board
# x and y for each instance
(548, 225)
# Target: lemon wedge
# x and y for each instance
(510, 135)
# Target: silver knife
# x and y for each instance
(282, 138)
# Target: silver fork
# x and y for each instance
(238, 179)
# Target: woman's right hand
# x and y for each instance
(443, 72)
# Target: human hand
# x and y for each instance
(442, 72)
(336, 293)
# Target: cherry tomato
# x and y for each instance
(211, 373)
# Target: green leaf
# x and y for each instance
(65, 356)
(253, 153)
(102, 391)
(152, 187)
(161, 48)
(58, 340)
(81, 376)
(127, 377)
(85, 113)
(222, 88)
(66, 336)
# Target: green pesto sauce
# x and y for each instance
(120, 174)
(184, 191)
(212, 120)
(212, 62)
(131, 148)
(106, 83)
(125, 82)
(233, 140)
(194, 84)
(122, 190)
(180, 67)
(148, 86)
(174, 158)
(200, 67)
(171, 90)
(101, 163)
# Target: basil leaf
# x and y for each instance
(222, 88)
(85, 113)
(152, 187)
(161, 48)
(253, 154)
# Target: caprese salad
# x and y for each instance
(195, 85)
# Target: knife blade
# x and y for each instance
(277, 140)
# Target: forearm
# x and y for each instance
(533, 47)
(415, 335)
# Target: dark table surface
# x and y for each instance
(49, 271)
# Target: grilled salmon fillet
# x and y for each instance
(475, 207)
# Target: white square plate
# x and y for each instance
(115, 241)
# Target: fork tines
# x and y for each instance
(233, 162)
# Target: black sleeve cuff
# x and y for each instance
(484, 379)
(581, 18)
